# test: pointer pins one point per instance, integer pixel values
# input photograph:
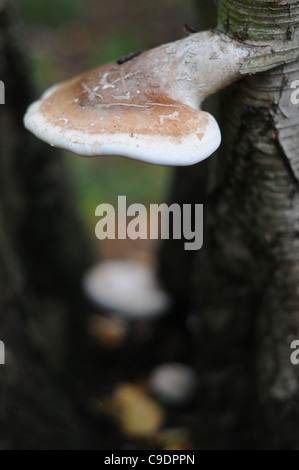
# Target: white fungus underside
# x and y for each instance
(173, 383)
(128, 288)
(155, 149)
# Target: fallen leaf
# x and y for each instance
(139, 415)
(110, 332)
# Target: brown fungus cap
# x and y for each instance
(146, 107)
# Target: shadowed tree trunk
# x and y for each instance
(189, 186)
(43, 254)
(245, 281)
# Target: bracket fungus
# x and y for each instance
(146, 107)
(127, 288)
(173, 383)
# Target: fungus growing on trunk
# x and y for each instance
(145, 107)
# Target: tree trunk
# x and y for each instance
(43, 253)
(245, 280)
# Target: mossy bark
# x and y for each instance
(245, 280)
(43, 253)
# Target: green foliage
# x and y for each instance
(207, 13)
(45, 70)
(102, 180)
(117, 44)
(54, 12)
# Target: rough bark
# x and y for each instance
(43, 253)
(245, 283)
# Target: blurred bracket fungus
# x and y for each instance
(173, 383)
(148, 106)
(128, 289)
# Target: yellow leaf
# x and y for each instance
(138, 414)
